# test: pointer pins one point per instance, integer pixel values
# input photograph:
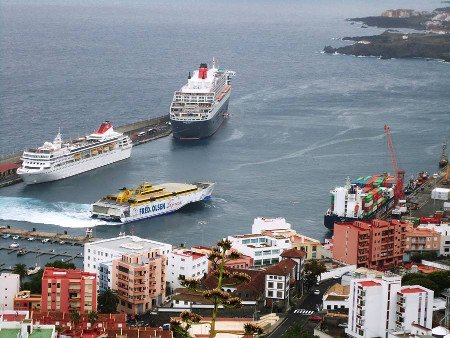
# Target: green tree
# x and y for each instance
(61, 264)
(219, 255)
(35, 283)
(441, 278)
(297, 331)
(408, 276)
(425, 282)
(21, 270)
(93, 317)
(107, 301)
(312, 271)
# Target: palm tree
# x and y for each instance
(107, 301)
(75, 317)
(21, 270)
(93, 316)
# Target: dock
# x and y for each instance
(52, 236)
(139, 132)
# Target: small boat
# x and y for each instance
(45, 240)
(30, 239)
(14, 245)
(34, 270)
(15, 237)
(5, 236)
(62, 242)
(21, 252)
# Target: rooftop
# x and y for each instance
(41, 333)
(338, 290)
(9, 333)
(127, 244)
(293, 253)
(51, 272)
(367, 283)
(414, 289)
(188, 253)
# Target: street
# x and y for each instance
(301, 317)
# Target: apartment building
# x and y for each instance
(9, 286)
(186, 263)
(420, 240)
(98, 255)
(444, 230)
(375, 244)
(26, 301)
(140, 281)
(377, 306)
(68, 290)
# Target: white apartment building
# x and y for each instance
(377, 306)
(265, 250)
(261, 223)
(9, 286)
(106, 250)
(187, 263)
(444, 230)
(278, 280)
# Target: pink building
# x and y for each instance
(68, 290)
(376, 244)
(140, 281)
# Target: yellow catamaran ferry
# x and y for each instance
(148, 200)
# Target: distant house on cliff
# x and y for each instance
(400, 13)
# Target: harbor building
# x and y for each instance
(374, 244)
(186, 263)
(98, 254)
(261, 223)
(379, 306)
(67, 290)
(139, 280)
(10, 285)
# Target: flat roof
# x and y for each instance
(128, 244)
(41, 333)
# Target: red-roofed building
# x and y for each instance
(377, 244)
(187, 263)
(68, 290)
(377, 306)
(280, 281)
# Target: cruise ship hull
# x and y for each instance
(124, 213)
(329, 220)
(195, 130)
(71, 169)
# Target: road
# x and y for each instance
(300, 317)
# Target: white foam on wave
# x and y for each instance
(63, 214)
(237, 134)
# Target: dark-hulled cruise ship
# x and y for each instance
(200, 106)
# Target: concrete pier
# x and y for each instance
(52, 236)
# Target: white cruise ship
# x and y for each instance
(149, 201)
(58, 160)
(199, 107)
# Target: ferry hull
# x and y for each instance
(110, 212)
(329, 220)
(81, 166)
(195, 130)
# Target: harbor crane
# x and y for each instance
(400, 173)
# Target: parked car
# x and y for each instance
(317, 292)
(314, 318)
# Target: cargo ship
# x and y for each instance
(147, 201)
(364, 199)
(199, 107)
(57, 160)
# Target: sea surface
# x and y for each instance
(300, 121)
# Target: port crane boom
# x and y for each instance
(400, 173)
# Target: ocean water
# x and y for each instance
(300, 121)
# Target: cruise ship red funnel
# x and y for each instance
(104, 127)
(203, 71)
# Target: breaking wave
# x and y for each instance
(63, 214)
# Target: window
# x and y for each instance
(270, 285)
(279, 294)
(279, 285)
(270, 294)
